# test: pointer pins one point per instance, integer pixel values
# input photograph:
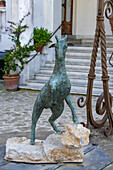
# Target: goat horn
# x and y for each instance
(57, 38)
(65, 38)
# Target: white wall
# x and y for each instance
(23, 8)
(84, 19)
(52, 20)
(38, 13)
(14, 10)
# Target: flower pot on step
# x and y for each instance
(39, 49)
(11, 82)
(2, 4)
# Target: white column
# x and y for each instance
(52, 15)
(85, 18)
(8, 10)
(2, 19)
(52, 20)
(14, 11)
(38, 13)
(25, 6)
(11, 10)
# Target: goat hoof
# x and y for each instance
(32, 142)
(76, 122)
(59, 132)
(54, 103)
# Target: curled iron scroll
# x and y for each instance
(109, 9)
(100, 105)
(81, 103)
(110, 60)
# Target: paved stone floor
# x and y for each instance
(15, 119)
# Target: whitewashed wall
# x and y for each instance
(84, 19)
(47, 13)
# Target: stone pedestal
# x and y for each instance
(65, 147)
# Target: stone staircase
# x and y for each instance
(77, 64)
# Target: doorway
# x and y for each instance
(67, 16)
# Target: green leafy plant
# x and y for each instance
(109, 4)
(41, 36)
(15, 58)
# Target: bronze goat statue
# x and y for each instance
(55, 91)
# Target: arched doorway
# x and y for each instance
(67, 15)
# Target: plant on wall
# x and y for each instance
(41, 37)
(15, 58)
(2, 3)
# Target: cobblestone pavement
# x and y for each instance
(15, 119)
(16, 111)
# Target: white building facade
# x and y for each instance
(78, 18)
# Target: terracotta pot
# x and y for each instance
(11, 82)
(39, 49)
(2, 4)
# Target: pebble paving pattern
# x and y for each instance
(16, 111)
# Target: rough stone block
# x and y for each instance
(65, 147)
(55, 150)
(19, 149)
(76, 135)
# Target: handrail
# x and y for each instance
(44, 45)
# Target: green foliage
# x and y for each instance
(109, 3)
(41, 36)
(15, 58)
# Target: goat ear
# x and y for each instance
(51, 46)
(65, 38)
(70, 44)
(57, 38)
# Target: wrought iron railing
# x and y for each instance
(104, 102)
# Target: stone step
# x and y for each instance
(74, 82)
(89, 43)
(73, 37)
(45, 77)
(77, 67)
(74, 89)
(84, 55)
(79, 63)
(78, 60)
(86, 49)
(75, 73)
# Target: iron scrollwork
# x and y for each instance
(102, 108)
(109, 9)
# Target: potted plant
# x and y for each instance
(15, 58)
(2, 3)
(41, 38)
